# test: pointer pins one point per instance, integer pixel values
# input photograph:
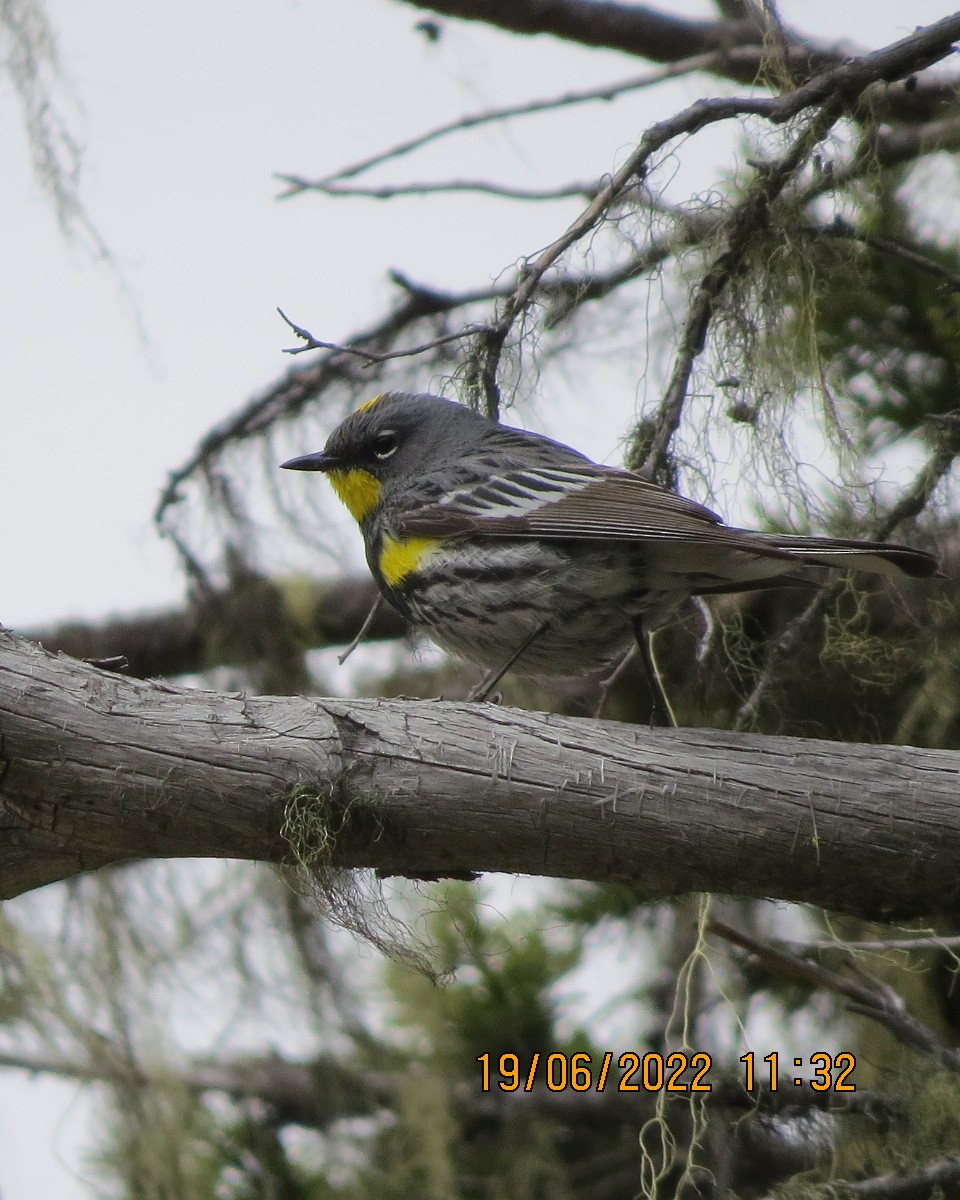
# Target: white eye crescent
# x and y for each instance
(385, 443)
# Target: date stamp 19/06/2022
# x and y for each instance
(686, 1073)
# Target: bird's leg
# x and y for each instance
(662, 713)
(486, 685)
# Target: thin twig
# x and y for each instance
(839, 228)
(362, 631)
(483, 187)
(781, 649)
(878, 1002)
(607, 92)
(879, 946)
(937, 1178)
(607, 685)
(289, 395)
(312, 343)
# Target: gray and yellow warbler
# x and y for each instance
(509, 548)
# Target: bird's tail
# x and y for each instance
(880, 558)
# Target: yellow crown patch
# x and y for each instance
(368, 404)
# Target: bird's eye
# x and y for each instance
(385, 444)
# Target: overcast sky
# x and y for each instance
(185, 111)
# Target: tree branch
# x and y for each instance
(178, 641)
(635, 28)
(98, 769)
(921, 945)
(313, 343)
(834, 91)
(664, 37)
(938, 1178)
(447, 187)
(743, 223)
(606, 93)
(872, 999)
(293, 392)
(913, 501)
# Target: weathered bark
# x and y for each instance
(98, 769)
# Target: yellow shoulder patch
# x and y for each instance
(368, 404)
(400, 559)
(357, 489)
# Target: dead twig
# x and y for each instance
(839, 228)
(875, 946)
(605, 93)
(932, 1179)
(482, 187)
(312, 343)
(874, 1000)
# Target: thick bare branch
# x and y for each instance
(97, 769)
(632, 28)
(635, 28)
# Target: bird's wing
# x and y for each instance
(579, 500)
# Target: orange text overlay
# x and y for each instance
(628, 1072)
(687, 1073)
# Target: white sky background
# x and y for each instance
(188, 110)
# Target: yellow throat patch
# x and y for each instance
(357, 489)
(400, 559)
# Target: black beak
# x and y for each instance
(321, 461)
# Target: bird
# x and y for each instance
(517, 552)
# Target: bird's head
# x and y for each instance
(389, 441)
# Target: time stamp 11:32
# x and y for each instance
(679, 1071)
